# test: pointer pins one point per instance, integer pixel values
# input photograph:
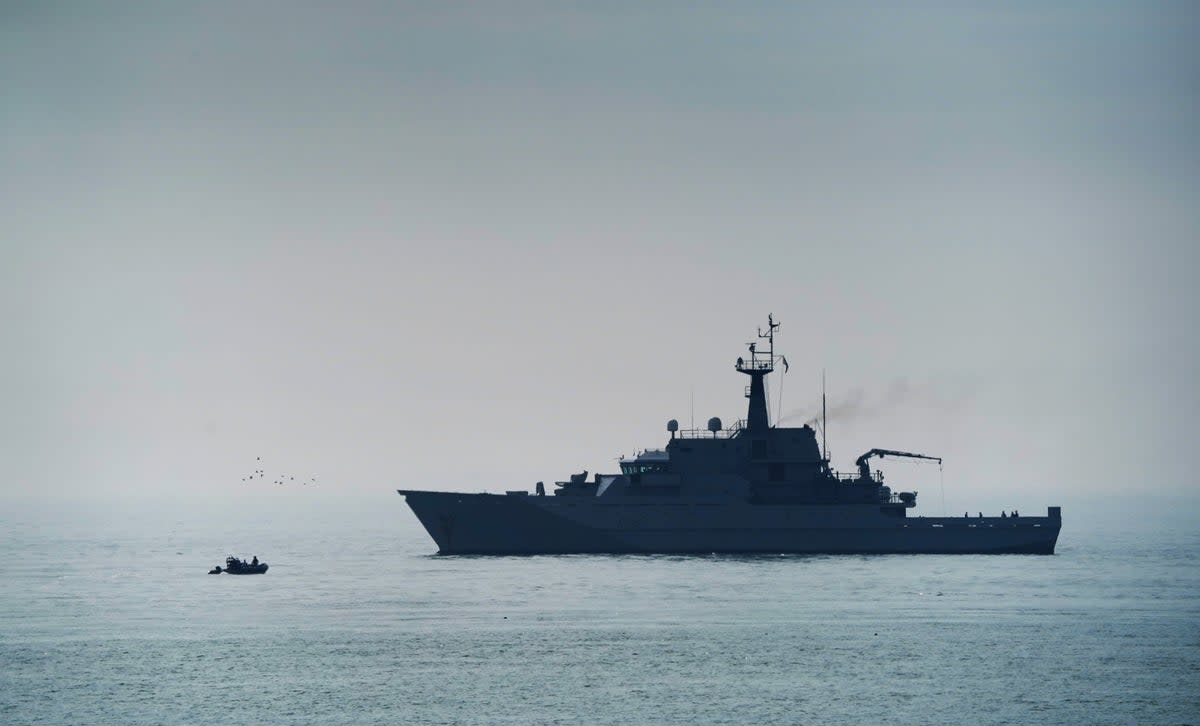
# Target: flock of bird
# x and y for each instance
(283, 478)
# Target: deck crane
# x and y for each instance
(864, 469)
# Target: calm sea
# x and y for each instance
(108, 617)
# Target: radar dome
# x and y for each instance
(714, 424)
(672, 426)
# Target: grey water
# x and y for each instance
(108, 617)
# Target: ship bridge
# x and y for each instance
(650, 461)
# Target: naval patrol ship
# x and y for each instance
(748, 488)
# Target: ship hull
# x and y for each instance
(492, 524)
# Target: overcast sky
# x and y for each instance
(472, 247)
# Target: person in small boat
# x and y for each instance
(255, 562)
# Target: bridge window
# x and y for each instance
(631, 468)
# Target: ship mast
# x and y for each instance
(757, 368)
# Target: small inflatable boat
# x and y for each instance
(234, 566)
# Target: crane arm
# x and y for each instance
(864, 468)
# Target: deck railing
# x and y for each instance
(755, 365)
(725, 433)
(876, 476)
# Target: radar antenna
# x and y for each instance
(757, 362)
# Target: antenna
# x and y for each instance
(772, 326)
(824, 421)
(692, 414)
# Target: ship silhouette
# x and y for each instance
(748, 488)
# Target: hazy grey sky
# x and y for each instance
(475, 246)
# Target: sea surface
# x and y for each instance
(108, 617)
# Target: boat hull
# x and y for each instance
(492, 524)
